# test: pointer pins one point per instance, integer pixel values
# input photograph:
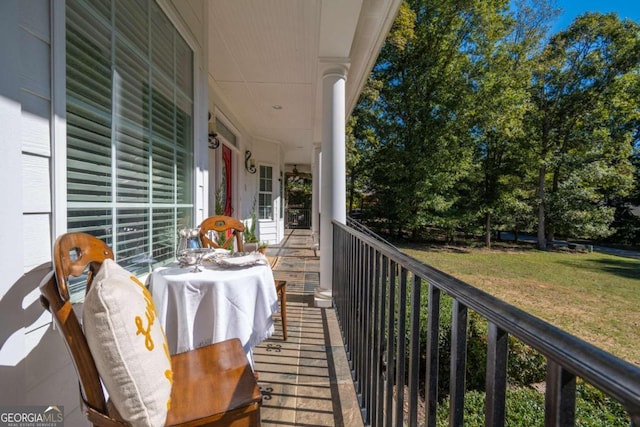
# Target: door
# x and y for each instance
(227, 179)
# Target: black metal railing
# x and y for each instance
(298, 218)
(357, 225)
(377, 298)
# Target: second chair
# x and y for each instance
(226, 228)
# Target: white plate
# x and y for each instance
(242, 261)
(221, 251)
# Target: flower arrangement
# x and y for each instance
(262, 246)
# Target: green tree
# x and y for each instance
(361, 143)
(580, 126)
(367, 130)
(425, 119)
(502, 85)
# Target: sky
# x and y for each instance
(572, 8)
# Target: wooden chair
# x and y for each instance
(281, 291)
(221, 224)
(212, 385)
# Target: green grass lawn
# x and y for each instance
(591, 295)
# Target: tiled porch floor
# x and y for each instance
(305, 381)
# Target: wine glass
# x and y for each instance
(193, 256)
(199, 254)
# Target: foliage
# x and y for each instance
(525, 365)
(219, 200)
(626, 226)
(299, 190)
(249, 233)
(501, 88)
(576, 208)
(525, 408)
(583, 112)
(526, 370)
(420, 120)
(474, 116)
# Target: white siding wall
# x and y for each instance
(34, 365)
(35, 130)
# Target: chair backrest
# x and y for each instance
(221, 224)
(72, 254)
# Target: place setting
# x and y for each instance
(218, 257)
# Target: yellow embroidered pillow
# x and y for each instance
(128, 345)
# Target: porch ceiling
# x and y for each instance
(270, 53)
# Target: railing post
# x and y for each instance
(431, 379)
(560, 397)
(359, 326)
(496, 386)
(414, 355)
(353, 300)
(382, 332)
(376, 357)
(401, 347)
(458, 363)
(347, 316)
(390, 365)
(367, 330)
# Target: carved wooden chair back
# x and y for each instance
(225, 226)
(72, 254)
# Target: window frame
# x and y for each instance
(262, 193)
(61, 184)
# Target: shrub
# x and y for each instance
(595, 409)
(525, 365)
(525, 408)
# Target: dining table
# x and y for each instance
(223, 298)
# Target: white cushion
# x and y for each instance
(128, 345)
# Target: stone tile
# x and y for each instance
(278, 403)
(305, 380)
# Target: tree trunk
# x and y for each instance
(550, 227)
(542, 242)
(487, 232)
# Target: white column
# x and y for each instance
(333, 197)
(315, 191)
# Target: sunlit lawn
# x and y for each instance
(591, 295)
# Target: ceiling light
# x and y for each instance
(277, 107)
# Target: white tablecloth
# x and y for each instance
(200, 308)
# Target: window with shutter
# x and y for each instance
(129, 129)
(265, 193)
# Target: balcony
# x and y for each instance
(361, 361)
